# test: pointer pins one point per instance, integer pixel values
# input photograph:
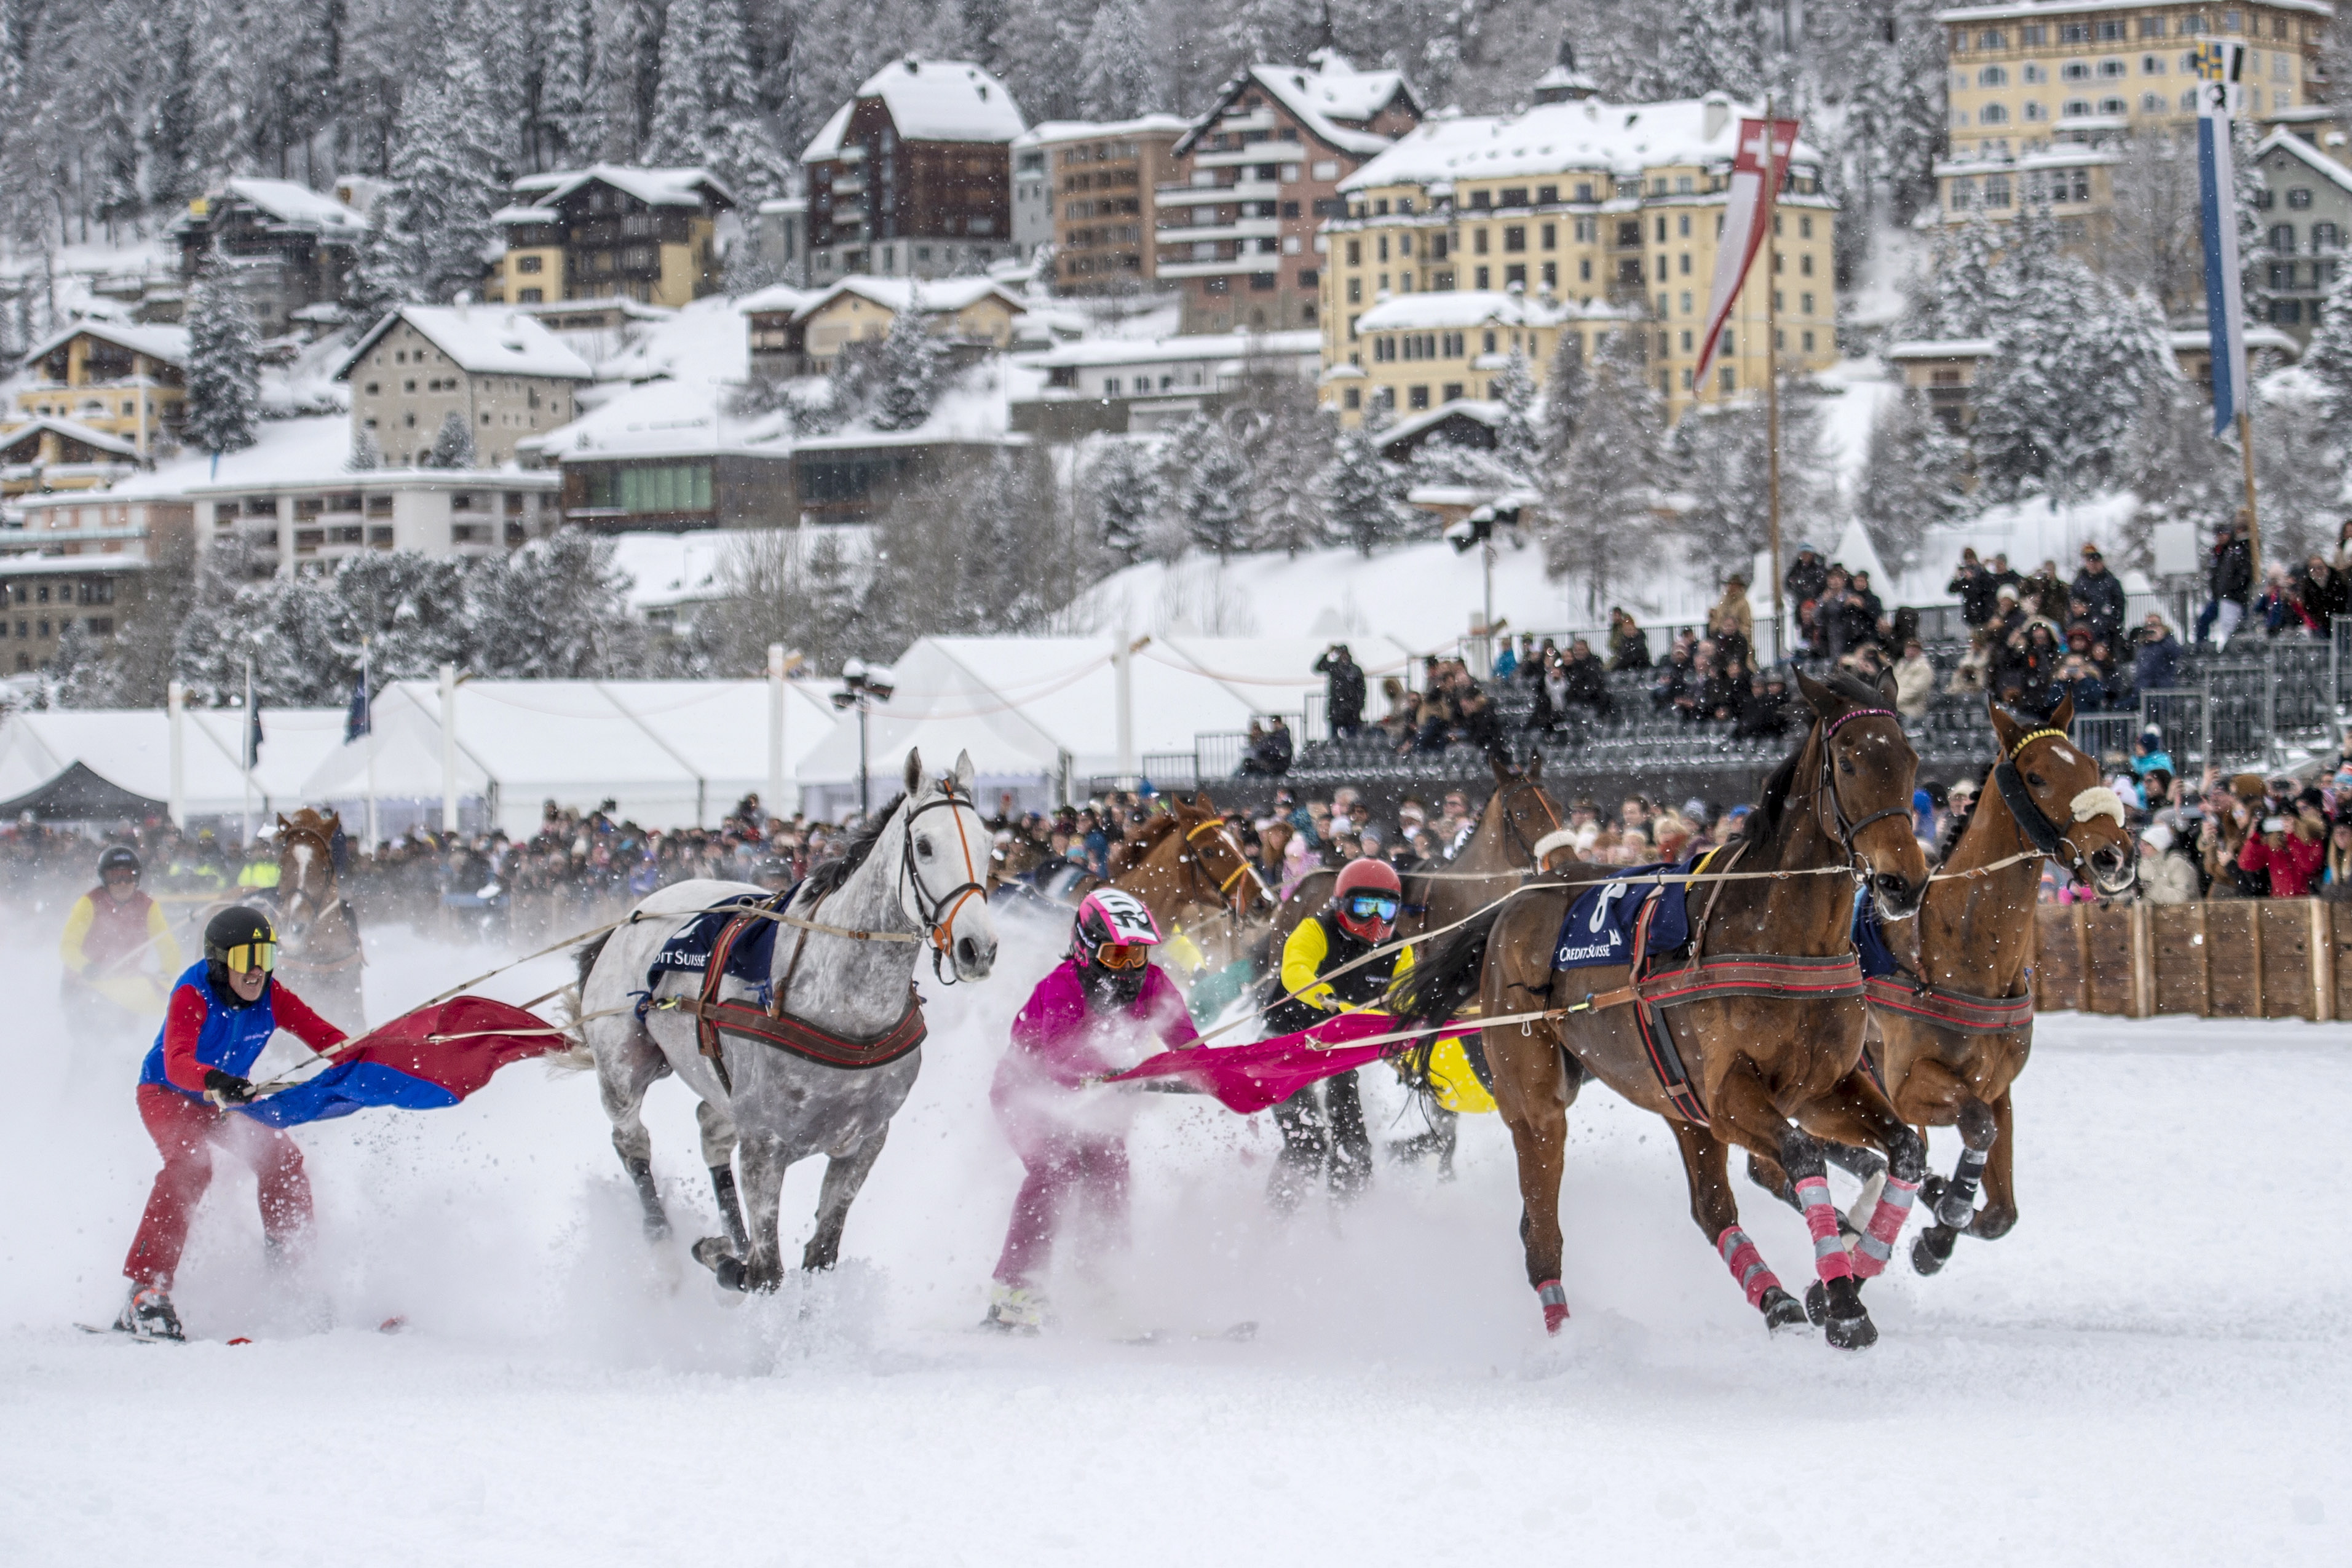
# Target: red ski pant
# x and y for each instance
(186, 1132)
(1061, 1170)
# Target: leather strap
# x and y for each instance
(1955, 1010)
(806, 1040)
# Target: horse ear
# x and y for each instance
(1818, 698)
(2005, 729)
(282, 823)
(1202, 800)
(1886, 687)
(1535, 763)
(914, 770)
(2062, 716)
(1501, 764)
(964, 773)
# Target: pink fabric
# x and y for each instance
(1247, 1079)
(1886, 1222)
(1091, 1173)
(1060, 1046)
(1829, 1259)
(1746, 1264)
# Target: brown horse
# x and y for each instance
(318, 935)
(1767, 1054)
(1189, 868)
(1937, 1033)
(1019, 862)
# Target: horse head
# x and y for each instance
(1215, 851)
(305, 871)
(2062, 805)
(1866, 772)
(1520, 813)
(943, 877)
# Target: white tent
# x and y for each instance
(667, 752)
(133, 747)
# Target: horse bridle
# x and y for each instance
(327, 857)
(938, 914)
(2033, 822)
(1844, 828)
(1512, 823)
(1225, 890)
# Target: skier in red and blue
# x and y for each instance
(1086, 1020)
(222, 1012)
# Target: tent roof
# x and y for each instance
(78, 794)
(131, 748)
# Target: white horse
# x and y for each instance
(915, 873)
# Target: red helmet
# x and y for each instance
(1368, 898)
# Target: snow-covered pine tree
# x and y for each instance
(80, 674)
(1600, 514)
(1122, 480)
(1721, 461)
(1564, 392)
(1913, 478)
(1215, 503)
(432, 228)
(2073, 362)
(570, 129)
(1284, 440)
(1718, 47)
(452, 444)
(367, 453)
(555, 610)
(223, 406)
(1116, 76)
(2328, 360)
(2177, 471)
(1518, 444)
(1364, 492)
(908, 369)
(2298, 468)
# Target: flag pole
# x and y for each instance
(367, 686)
(245, 746)
(2253, 520)
(1772, 382)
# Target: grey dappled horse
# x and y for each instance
(914, 872)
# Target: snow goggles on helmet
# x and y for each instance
(1122, 955)
(1371, 906)
(247, 956)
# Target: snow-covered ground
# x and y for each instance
(2153, 1369)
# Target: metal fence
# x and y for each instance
(2100, 734)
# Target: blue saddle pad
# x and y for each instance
(688, 948)
(1869, 942)
(1599, 927)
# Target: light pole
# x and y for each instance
(862, 687)
(1478, 529)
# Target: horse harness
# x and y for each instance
(770, 1025)
(1841, 828)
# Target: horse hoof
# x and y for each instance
(1855, 1333)
(1817, 1303)
(1931, 1192)
(1781, 1311)
(1931, 1249)
(656, 1229)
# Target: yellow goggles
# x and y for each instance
(251, 955)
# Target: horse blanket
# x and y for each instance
(1602, 920)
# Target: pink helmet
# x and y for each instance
(1110, 917)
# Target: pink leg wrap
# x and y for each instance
(1877, 1244)
(1746, 1264)
(1555, 1305)
(1830, 1259)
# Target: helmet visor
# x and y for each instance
(1372, 907)
(248, 956)
(1121, 956)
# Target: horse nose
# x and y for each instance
(1896, 897)
(974, 959)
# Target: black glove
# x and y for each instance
(231, 1088)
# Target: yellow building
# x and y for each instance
(117, 379)
(52, 454)
(802, 333)
(1573, 213)
(2041, 97)
(648, 234)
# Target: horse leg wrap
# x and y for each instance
(1830, 1259)
(1746, 1264)
(1957, 1206)
(731, 1208)
(1555, 1305)
(1877, 1243)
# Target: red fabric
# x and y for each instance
(2294, 866)
(502, 1034)
(186, 1132)
(1248, 1078)
(116, 930)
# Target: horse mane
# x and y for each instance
(1772, 801)
(827, 878)
(1129, 853)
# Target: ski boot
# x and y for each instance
(148, 1315)
(1013, 1310)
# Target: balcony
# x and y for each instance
(1240, 229)
(1196, 195)
(1230, 267)
(1255, 152)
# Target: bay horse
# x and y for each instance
(1765, 1055)
(1190, 870)
(319, 949)
(1951, 1032)
(911, 878)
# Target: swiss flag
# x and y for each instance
(1757, 171)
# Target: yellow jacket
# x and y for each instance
(122, 980)
(1308, 949)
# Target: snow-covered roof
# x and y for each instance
(1330, 96)
(71, 431)
(169, 345)
(684, 187)
(665, 418)
(2198, 341)
(2033, 8)
(1479, 307)
(1941, 348)
(782, 297)
(784, 204)
(1478, 408)
(1163, 351)
(2320, 164)
(526, 215)
(1621, 139)
(290, 201)
(1050, 131)
(704, 340)
(929, 100)
(936, 295)
(484, 340)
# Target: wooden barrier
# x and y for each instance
(2228, 958)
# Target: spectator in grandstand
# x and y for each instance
(1398, 722)
(1731, 624)
(1629, 645)
(1865, 613)
(1974, 585)
(1476, 724)
(1270, 748)
(2155, 655)
(1672, 687)
(2101, 594)
(1806, 580)
(2320, 588)
(1343, 691)
(2166, 875)
(2044, 593)
(1973, 674)
(2276, 609)
(2336, 876)
(2078, 677)
(1764, 711)
(1915, 681)
(2229, 583)
(2287, 855)
(1587, 683)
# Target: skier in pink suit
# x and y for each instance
(1101, 1011)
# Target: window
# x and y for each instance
(1450, 392)
(2111, 106)
(2032, 74)
(2033, 35)
(1992, 114)
(2151, 65)
(2075, 70)
(529, 263)
(1515, 238)
(2111, 68)
(1416, 397)
(2233, 21)
(1992, 76)
(1996, 193)
(1805, 307)
(1485, 278)
(2112, 30)
(2324, 237)
(1662, 230)
(1111, 386)
(1805, 227)
(2073, 32)
(1478, 241)
(1991, 38)
(1547, 195)
(1514, 196)
(2299, 197)
(1515, 274)
(1550, 237)
(1355, 253)
(2282, 239)
(1551, 275)
(649, 488)
(2037, 113)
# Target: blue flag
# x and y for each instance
(360, 718)
(2217, 66)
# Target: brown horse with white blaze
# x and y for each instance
(319, 946)
(1765, 1010)
(1188, 866)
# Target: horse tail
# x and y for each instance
(1436, 988)
(585, 956)
(577, 1056)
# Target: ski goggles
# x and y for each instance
(1365, 907)
(248, 956)
(1121, 956)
